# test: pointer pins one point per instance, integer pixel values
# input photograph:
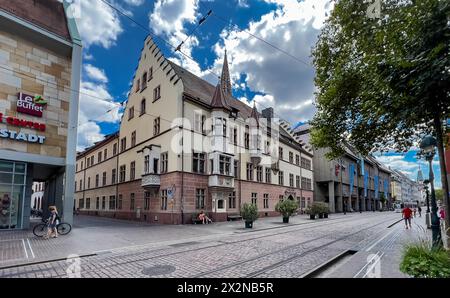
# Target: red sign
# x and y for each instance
(22, 123)
(31, 105)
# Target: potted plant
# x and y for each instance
(324, 209)
(382, 201)
(310, 211)
(286, 208)
(249, 213)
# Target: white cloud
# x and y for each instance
(293, 27)
(99, 24)
(243, 3)
(95, 73)
(134, 2)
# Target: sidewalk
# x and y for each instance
(381, 256)
(92, 235)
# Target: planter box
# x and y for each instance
(249, 224)
(325, 215)
(285, 219)
(312, 216)
(320, 215)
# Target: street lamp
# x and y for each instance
(427, 193)
(428, 150)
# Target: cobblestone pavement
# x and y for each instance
(272, 251)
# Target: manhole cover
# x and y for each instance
(158, 270)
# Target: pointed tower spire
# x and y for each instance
(420, 175)
(218, 101)
(225, 79)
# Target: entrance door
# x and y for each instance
(12, 190)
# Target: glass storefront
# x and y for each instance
(12, 191)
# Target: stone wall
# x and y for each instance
(33, 70)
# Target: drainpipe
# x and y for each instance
(182, 160)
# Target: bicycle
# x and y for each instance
(41, 230)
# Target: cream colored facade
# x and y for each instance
(161, 180)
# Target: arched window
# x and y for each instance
(143, 106)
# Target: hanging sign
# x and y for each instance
(31, 105)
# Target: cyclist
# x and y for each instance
(53, 221)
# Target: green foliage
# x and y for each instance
(249, 212)
(286, 207)
(419, 260)
(439, 194)
(317, 207)
(381, 82)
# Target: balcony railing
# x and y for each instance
(218, 181)
(151, 180)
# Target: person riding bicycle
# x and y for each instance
(52, 222)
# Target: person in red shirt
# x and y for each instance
(407, 213)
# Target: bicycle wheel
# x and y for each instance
(64, 228)
(40, 230)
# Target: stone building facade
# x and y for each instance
(40, 61)
(185, 146)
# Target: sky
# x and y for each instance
(281, 78)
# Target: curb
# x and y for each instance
(45, 261)
(323, 266)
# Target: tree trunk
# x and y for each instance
(441, 153)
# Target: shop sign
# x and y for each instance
(31, 105)
(22, 123)
(21, 136)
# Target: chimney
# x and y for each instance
(267, 113)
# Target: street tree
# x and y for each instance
(383, 81)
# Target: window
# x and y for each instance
(155, 165)
(259, 174)
(150, 73)
(157, 93)
(246, 138)
(250, 171)
(103, 203)
(280, 178)
(199, 122)
(164, 199)
(199, 198)
(297, 159)
(266, 201)
(143, 107)
(88, 203)
(138, 85)
(113, 176)
(89, 182)
(198, 162)
(280, 152)
(147, 200)
(104, 179)
(131, 113)
(105, 154)
(147, 164)
(76, 167)
(123, 144)
(132, 202)
(303, 203)
(92, 160)
(234, 136)
(268, 176)
(97, 180)
(291, 157)
(119, 204)
(297, 181)
(132, 170)
(220, 204)
(224, 165)
(99, 156)
(280, 198)
(291, 180)
(144, 81)
(97, 203)
(133, 139)
(122, 170)
(112, 202)
(88, 162)
(81, 164)
(236, 168)
(254, 198)
(114, 149)
(81, 184)
(164, 162)
(224, 124)
(306, 163)
(306, 183)
(232, 200)
(81, 204)
(156, 126)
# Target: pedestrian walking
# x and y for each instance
(407, 213)
(53, 221)
(345, 208)
(420, 211)
(414, 212)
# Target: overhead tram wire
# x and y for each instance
(220, 18)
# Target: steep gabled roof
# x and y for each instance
(219, 100)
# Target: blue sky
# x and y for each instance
(260, 73)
